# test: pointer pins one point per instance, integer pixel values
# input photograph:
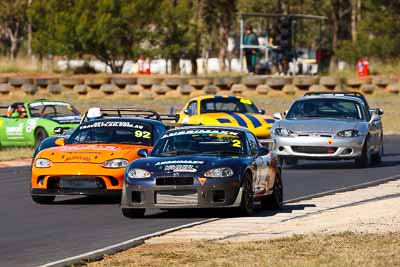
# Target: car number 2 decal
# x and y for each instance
(236, 143)
(142, 134)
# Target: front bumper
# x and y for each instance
(75, 192)
(220, 192)
(305, 147)
(47, 180)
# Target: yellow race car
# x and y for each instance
(226, 111)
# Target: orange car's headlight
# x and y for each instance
(115, 163)
(43, 163)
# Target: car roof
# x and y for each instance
(201, 127)
(216, 97)
(129, 119)
(326, 96)
(46, 100)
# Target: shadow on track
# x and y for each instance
(219, 212)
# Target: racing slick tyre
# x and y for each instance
(365, 159)
(377, 158)
(133, 213)
(40, 134)
(43, 199)
(275, 200)
(247, 201)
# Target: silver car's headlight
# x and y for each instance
(138, 174)
(115, 163)
(348, 133)
(283, 132)
(219, 172)
(43, 163)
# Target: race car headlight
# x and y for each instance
(348, 133)
(138, 174)
(115, 163)
(283, 132)
(43, 163)
(219, 172)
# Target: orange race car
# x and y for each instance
(92, 160)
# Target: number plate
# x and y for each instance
(80, 183)
(177, 198)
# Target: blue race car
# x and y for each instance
(203, 167)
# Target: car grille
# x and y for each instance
(315, 135)
(187, 197)
(314, 149)
(174, 181)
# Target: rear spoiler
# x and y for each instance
(131, 112)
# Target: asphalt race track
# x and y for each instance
(32, 234)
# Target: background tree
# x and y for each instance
(13, 22)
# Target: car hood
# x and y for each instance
(93, 153)
(318, 125)
(248, 120)
(193, 164)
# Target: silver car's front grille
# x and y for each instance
(315, 135)
(314, 149)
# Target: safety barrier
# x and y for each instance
(174, 86)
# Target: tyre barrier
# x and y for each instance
(94, 86)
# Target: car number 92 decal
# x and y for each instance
(142, 134)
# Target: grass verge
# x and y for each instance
(14, 153)
(344, 249)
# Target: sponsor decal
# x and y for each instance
(15, 130)
(330, 141)
(101, 124)
(30, 125)
(77, 157)
(180, 168)
(203, 131)
(171, 162)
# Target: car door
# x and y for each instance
(14, 131)
(260, 180)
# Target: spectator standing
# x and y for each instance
(250, 38)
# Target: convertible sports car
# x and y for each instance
(330, 126)
(27, 124)
(203, 167)
(227, 111)
(92, 160)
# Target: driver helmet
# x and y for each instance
(94, 114)
(22, 112)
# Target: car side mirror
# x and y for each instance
(375, 117)
(379, 111)
(262, 151)
(60, 141)
(261, 111)
(187, 112)
(277, 116)
(15, 115)
(143, 153)
(58, 130)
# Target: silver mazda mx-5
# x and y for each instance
(330, 126)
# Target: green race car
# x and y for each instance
(28, 123)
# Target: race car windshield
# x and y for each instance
(52, 109)
(240, 105)
(326, 108)
(112, 132)
(199, 143)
